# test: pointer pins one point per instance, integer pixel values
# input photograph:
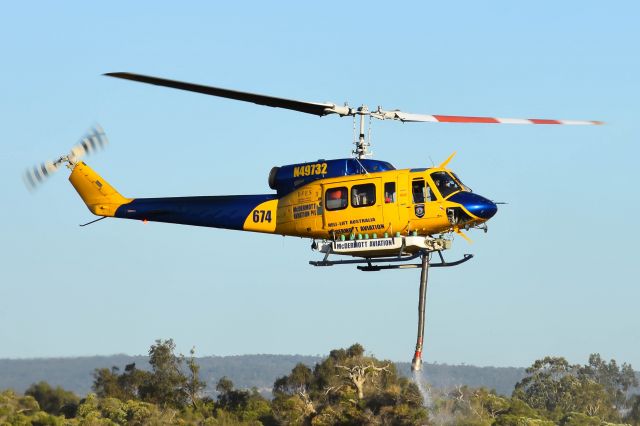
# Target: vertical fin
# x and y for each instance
(101, 198)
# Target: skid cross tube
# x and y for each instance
(367, 260)
(441, 264)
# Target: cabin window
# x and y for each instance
(336, 198)
(445, 183)
(389, 192)
(363, 195)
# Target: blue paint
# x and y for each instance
(475, 204)
(285, 182)
(229, 212)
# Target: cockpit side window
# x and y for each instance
(421, 191)
(445, 183)
(389, 192)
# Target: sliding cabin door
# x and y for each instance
(354, 207)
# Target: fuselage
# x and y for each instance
(326, 199)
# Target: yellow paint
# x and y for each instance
(445, 162)
(263, 218)
(463, 235)
(100, 197)
(303, 212)
(310, 169)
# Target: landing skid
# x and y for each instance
(399, 260)
(441, 264)
(394, 252)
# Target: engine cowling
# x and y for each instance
(289, 177)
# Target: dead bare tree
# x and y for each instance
(358, 375)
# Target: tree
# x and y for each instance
(633, 416)
(194, 386)
(109, 384)
(54, 401)
(292, 394)
(17, 410)
(555, 386)
(615, 380)
(244, 405)
(547, 385)
(166, 384)
(347, 388)
(359, 373)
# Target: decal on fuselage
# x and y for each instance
(310, 169)
(351, 226)
(305, 210)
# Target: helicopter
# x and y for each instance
(379, 216)
(346, 201)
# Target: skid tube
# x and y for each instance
(370, 267)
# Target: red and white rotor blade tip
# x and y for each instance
(409, 117)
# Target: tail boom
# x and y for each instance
(256, 213)
(239, 212)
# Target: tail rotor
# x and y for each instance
(93, 141)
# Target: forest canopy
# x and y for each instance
(348, 387)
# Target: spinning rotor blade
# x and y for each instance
(94, 140)
(463, 235)
(409, 117)
(36, 175)
(322, 109)
(314, 108)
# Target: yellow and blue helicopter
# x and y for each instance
(381, 216)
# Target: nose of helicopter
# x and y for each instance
(476, 204)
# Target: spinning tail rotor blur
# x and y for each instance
(93, 141)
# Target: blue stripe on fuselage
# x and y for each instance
(229, 211)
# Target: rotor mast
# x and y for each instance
(361, 150)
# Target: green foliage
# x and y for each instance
(17, 410)
(347, 388)
(167, 383)
(615, 380)
(194, 386)
(125, 386)
(556, 387)
(633, 416)
(242, 405)
(54, 401)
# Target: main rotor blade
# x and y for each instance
(314, 108)
(408, 117)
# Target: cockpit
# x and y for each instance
(443, 183)
(446, 183)
(431, 185)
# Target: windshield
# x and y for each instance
(464, 187)
(445, 183)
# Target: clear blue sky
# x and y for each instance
(556, 274)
